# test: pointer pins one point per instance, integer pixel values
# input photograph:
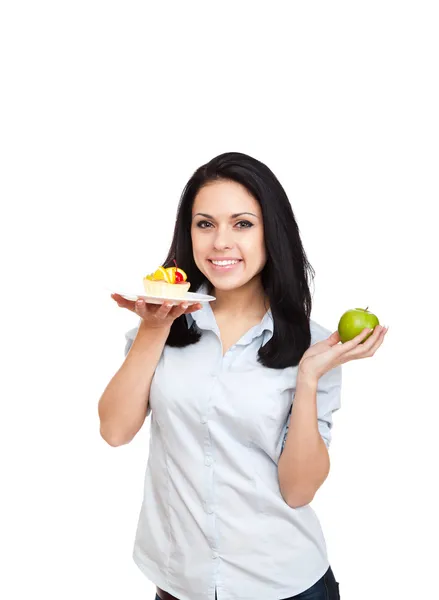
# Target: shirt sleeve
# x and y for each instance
(328, 401)
(130, 337)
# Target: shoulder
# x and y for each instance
(318, 332)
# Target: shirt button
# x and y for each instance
(204, 419)
(208, 461)
(215, 555)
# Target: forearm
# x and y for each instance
(123, 405)
(304, 463)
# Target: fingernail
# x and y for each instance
(185, 306)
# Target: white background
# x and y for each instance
(106, 110)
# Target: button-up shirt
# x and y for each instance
(213, 519)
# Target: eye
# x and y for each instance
(242, 224)
(200, 224)
(246, 223)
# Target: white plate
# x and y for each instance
(190, 298)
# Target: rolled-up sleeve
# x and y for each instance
(328, 401)
(129, 339)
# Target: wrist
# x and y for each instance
(158, 329)
(306, 379)
(147, 334)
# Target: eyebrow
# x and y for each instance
(232, 217)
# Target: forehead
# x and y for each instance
(225, 197)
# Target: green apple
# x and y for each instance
(353, 322)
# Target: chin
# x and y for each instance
(227, 286)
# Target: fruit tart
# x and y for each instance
(170, 282)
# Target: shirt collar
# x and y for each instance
(205, 319)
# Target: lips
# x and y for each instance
(227, 267)
(223, 259)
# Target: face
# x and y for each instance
(227, 235)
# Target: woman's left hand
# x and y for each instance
(328, 354)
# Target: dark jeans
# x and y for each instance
(326, 588)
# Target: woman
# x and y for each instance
(241, 393)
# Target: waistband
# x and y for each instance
(165, 595)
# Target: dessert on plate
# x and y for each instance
(170, 282)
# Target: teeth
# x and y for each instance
(223, 263)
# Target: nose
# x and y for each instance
(223, 239)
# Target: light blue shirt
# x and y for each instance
(213, 517)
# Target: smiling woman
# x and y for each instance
(238, 439)
(245, 248)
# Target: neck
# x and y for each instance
(248, 300)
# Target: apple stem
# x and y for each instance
(175, 262)
(365, 309)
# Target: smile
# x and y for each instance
(224, 265)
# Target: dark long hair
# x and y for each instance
(286, 275)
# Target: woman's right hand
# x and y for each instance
(156, 316)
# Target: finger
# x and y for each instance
(184, 308)
(378, 342)
(140, 307)
(367, 344)
(179, 309)
(193, 308)
(144, 309)
(118, 298)
(334, 338)
(371, 345)
(348, 346)
(164, 310)
(331, 341)
(123, 302)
